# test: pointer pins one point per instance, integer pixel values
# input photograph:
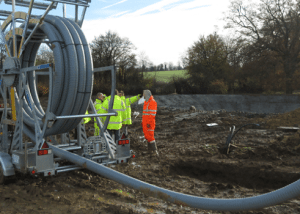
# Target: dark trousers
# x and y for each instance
(115, 132)
(125, 130)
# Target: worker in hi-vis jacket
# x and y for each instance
(127, 114)
(98, 105)
(148, 121)
(115, 122)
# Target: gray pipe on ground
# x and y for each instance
(239, 204)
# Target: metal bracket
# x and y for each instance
(65, 138)
(81, 134)
(6, 163)
(18, 136)
(110, 144)
(36, 5)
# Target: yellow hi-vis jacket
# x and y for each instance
(127, 115)
(98, 105)
(115, 122)
(86, 119)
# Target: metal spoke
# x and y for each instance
(25, 27)
(14, 29)
(76, 13)
(82, 16)
(4, 41)
(36, 26)
(64, 10)
(84, 4)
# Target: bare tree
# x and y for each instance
(235, 59)
(126, 61)
(111, 49)
(160, 67)
(165, 66)
(271, 25)
(179, 66)
(45, 55)
(143, 61)
(108, 49)
(184, 60)
(152, 67)
(171, 66)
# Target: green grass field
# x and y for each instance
(166, 76)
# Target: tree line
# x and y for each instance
(261, 57)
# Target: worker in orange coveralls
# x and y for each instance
(148, 121)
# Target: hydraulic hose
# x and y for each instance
(238, 204)
(233, 133)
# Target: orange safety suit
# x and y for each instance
(148, 119)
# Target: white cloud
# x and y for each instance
(114, 4)
(163, 35)
(119, 14)
(157, 6)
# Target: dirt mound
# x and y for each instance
(289, 119)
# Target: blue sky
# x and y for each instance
(162, 29)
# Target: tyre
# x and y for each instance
(2, 177)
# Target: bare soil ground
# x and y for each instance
(191, 161)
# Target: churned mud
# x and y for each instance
(192, 160)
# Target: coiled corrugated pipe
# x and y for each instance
(72, 80)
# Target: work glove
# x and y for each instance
(136, 113)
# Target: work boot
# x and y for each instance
(153, 148)
(149, 147)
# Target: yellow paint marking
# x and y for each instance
(13, 103)
(19, 32)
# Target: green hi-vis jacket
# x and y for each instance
(98, 105)
(115, 122)
(86, 119)
(127, 114)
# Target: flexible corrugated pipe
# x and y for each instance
(237, 204)
(72, 80)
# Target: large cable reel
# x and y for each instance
(72, 77)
